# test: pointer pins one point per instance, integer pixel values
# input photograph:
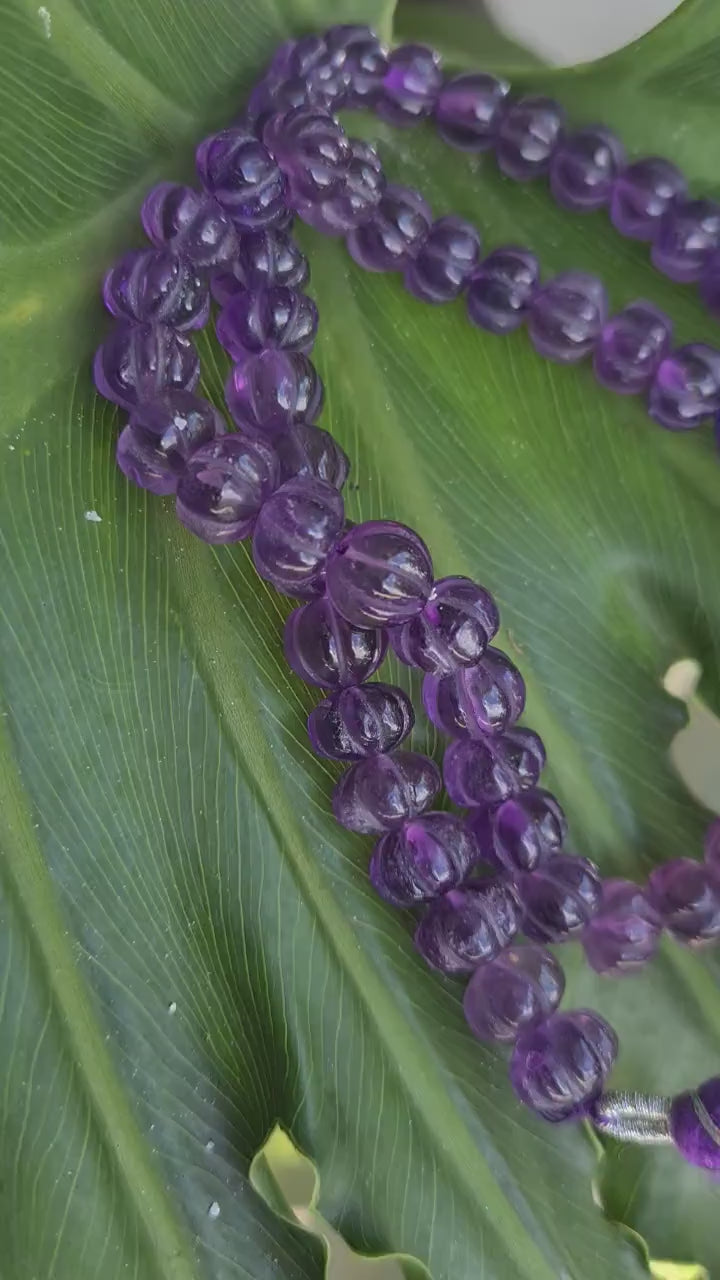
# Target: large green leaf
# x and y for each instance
(190, 948)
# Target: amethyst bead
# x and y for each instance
(630, 348)
(642, 193)
(325, 650)
(445, 261)
(584, 167)
(485, 699)
(469, 926)
(566, 316)
(153, 449)
(686, 387)
(423, 859)
(190, 224)
(522, 831)
(264, 258)
(711, 847)
(560, 898)
(688, 233)
(624, 933)
(357, 198)
(275, 317)
(155, 286)
(223, 487)
(410, 86)
(528, 132)
(381, 792)
(710, 285)
(244, 178)
(294, 532)
(394, 233)
(502, 288)
(312, 150)
(305, 450)
(480, 772)
(272, 391)
(140, 362)
(360, 720)
(468, 108)
(453, 630)
(379, 574)
(558, 1067)
(695, 1124)
(687, 896)
(521, 986)
(364, 62)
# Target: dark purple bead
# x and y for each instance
(154, 447)
(411, 84)
(558, 1067)
(140, 362)
(268, 317)
(624, 933)
(305, 450)
(453, 630)
(566, 316)
(686, 387)
(559, 898)
(711, 847)
(271, 391)
(364, 62)
(310, 60)
(189, 223)
(423, 859)
(695, 1124)
(480, 772)
(687, 896)
(630, 348)
(244, 178)
(312, 150)
(642, 193)
(522, 831)
(710, 285)
(485, 699)
(381, 792)
(155, 286)
(294, 532)
(325, 650)
(223, 487)
(467, 110)
(358, 197)
(528, 131)
(467, 927)
(688, 233)
(584, 167)
(264, 258)
(445, 261)
(394, 233)
(379, 574)
(271, 96)
(501, 289)
(521, 986)
(360, 720)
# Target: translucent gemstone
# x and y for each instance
(528, 132)
(223, 487)
(566, 316)
(560, 898)
(584, 167)
(189, 223)
(695, 1124)
(305, 450)
(480, 772)
(558, 1067)
(467, 110)
(521, 986)
(410, 86)
(155, 286)
(485, 699)
(686, 387)
(453, 630)
(381, 792)
(360, 720)
(501, 289)
(244, 178)
(258, 319)
(139, 362)
(687, 235)
(312, 150)
(687, 896)
(379, 573)
(312, 62)
(631, 346)
(294, 532)
(522, 831)
(624, 933)
(711, 847)
(153, 449)
(468, 926)
(271, 96)
(394, 233)
(266, 257)
(271, 391)
(325, 650)
(364, 62)
(424, 858)
(710, 284)
(445, 260)
(358, 197)
(642, 193)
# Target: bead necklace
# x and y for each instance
(499, 870)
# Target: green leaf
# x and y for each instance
(190, 949)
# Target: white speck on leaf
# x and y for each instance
(172, 1008)
(46, 19)
(93, 517)
(214, 1210)
(210, 1145)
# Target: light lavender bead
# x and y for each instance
(625, 931)
(528, 131)
(272, 390)
(584, 167)
(394, 233)
(566, 316)
(686, 387)
(294, 531)
(223, 487)
(688, 234)
(410, 86)
(630, 348)
(468, 108)
(642, 193)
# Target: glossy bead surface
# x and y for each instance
(275, 317)
(139, 362)
(264, 258)
(271, 391)
(584, 167)
(710, 284)
(468, 926)
(485, 699)
(522, 832)
(325, 650)
(312, 150)
(630, 348)
(453, 630)
(424, 858)
(360, 720)
(687, 896)
(155, 286)
(411, 84)
(642, 193)
(711, 847)
(687, 235)
(695, 1124)
(154, 447)
(305, 450)
(381, 792)
(521, 986)
(566, 316)
(686, 387)
(364, 62)
(624, 933)
(558, 1067)
(379, 574)
(394, 233)
(560, 898)
(480, 772)
(528, 131)
(223, 487)
(445, 260)
(313, 62)
(357, 198)
(294, 532)
(501, 289)
(467, 110)
(244, 178)
(190, 224)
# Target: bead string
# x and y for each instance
(501, 869)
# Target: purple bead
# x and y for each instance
(467, 110)
(480, 772)
(411, 84)
(312, 150)
(360, 720)
(445, 261)
(528, 132)
(453, 630)
(155, 286)
(394, 233)
(312, 62)
(381, 792)
(305, 450)
(379, 574)
(294, 532)
(364, 62)
(154, 447)
(264, 258)
(244, 178)
(695, 1124)
(140, 362)
(566, 316)
(358, 197)
(190, 224)
(630, 348)
(521, 986)
(686, 387)
(275, 317)
(558, 1067)
(501, 289)
(584, 167)
(687, 234)
(711, 847)
(559, 898)
(423, 859)
(710, 285)
(642, 193)
(521, 832)
(687, 896)
(485, 699)
(223, 487)
(467, 927)
(625, 932)
(325, 650)
(272, 391)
